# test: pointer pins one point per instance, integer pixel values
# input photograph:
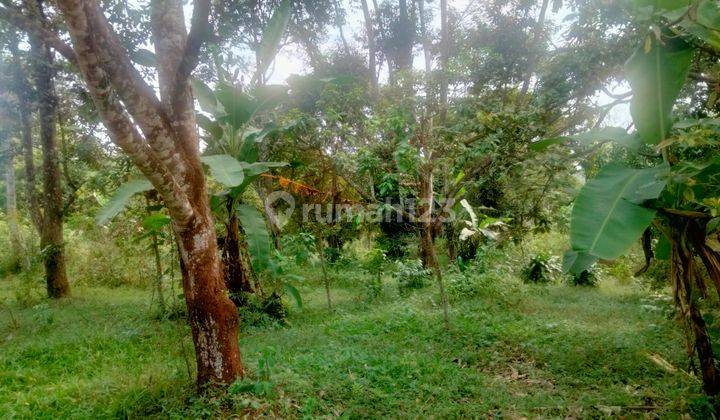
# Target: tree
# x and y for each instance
(160, 136)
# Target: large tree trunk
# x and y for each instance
(212, 315)
(51, 231)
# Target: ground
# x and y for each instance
(528, 351)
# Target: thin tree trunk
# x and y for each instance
(427, 243)
(236, 274)
(263, 186)
(682, 274)
(22, 89)
(533, 57)
(11, 207)
(444, 59)
(158, 272)
(158, 266)
(710, 258)
(370, 33)
(51, 231)
(326, 279)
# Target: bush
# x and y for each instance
(261, 311)
(411, 276)
(542, 268)
(374, 264)
(588, 277)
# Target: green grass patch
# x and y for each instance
(548, 351)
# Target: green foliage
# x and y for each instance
(608, 216)
(587, 277)
(257, 235)
(375, 263)
(225, 169)
(541, 268)
(121, 198)
(656, 75)
(263, 312)
(411, 275)
(272, 36)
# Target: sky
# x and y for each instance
(291, 60)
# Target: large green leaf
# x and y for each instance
(576, 262)
(239, 106)
(656, 75)
(607, 216)
(210, 126)
(257, 235)
(225, 169)
(272, 36)
(252, 172)
(205, 96)
(120, 199)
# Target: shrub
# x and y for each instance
(411, 275)
(542, 268)
(586, 278)
(261, 311)
(374, 263)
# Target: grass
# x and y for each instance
(545, 351)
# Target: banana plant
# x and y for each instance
(674, 192)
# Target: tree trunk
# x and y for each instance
(710, 258)
(11, 207)
(326, 280)
(682, 274)
(51, 231)
(263, 186)
(534, 43)
(372, 51)
(427, 243)
(212, 315)
(236, 274)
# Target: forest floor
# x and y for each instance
(531, 351)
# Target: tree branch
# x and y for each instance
(198, 33)
(13, 15)
(121, 128)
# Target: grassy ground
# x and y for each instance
(546, 351)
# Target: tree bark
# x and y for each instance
(51, 230)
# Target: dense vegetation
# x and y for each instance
(450, 209)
